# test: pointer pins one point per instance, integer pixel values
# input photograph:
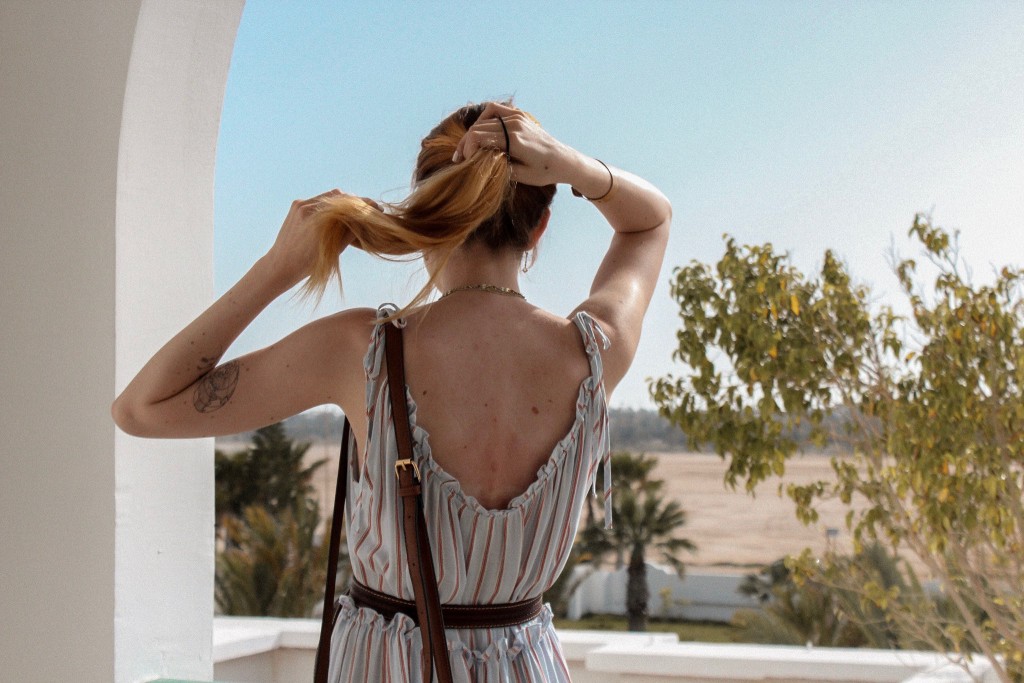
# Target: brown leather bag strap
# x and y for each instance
(323, 650)
(434, 646)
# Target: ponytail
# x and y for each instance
(449, 205)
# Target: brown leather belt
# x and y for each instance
(455, 616)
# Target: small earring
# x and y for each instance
(527, 261)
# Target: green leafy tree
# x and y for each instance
(931, 407)
(269, 473)
(645, 522)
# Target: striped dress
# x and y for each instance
(480, 555)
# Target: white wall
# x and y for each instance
(698, 596)
(98, 581)
(62, 77)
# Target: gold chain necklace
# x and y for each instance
(494, 289)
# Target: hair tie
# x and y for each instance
(504, 130)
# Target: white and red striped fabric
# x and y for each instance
(480, 555)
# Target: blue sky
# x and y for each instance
(812, 126)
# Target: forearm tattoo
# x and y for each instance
(215, 389)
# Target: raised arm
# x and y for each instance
(184, 390)
(622, 289)
(639, 214)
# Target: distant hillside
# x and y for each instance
(631, 430)
(645, 431)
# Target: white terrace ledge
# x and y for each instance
(735, 662)
(264, 650)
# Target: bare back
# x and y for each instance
(495, 381)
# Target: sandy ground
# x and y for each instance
(731, 528)
(733, 531)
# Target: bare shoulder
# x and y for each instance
(338, 344)
(336, 338)
(353, 325)
(565, 329)
(561, 341)
(344, 337)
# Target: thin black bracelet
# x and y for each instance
(611, 186)
(508, 147)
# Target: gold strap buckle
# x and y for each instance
(407, 462)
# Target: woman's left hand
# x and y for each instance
(294, 250)
(537, 157)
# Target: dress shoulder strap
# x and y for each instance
(595, 341)
(373, 362)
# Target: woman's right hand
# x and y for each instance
(537, 157)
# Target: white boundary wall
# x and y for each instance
(698, 596)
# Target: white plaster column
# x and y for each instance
(164, 489)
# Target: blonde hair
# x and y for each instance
(449, 205)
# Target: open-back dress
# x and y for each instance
(480, 555)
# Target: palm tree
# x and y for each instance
(762, 584)
(645, 522)
(817, 611)
(274, 565)
(808, 613)
(270, 559)
(268, 473)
